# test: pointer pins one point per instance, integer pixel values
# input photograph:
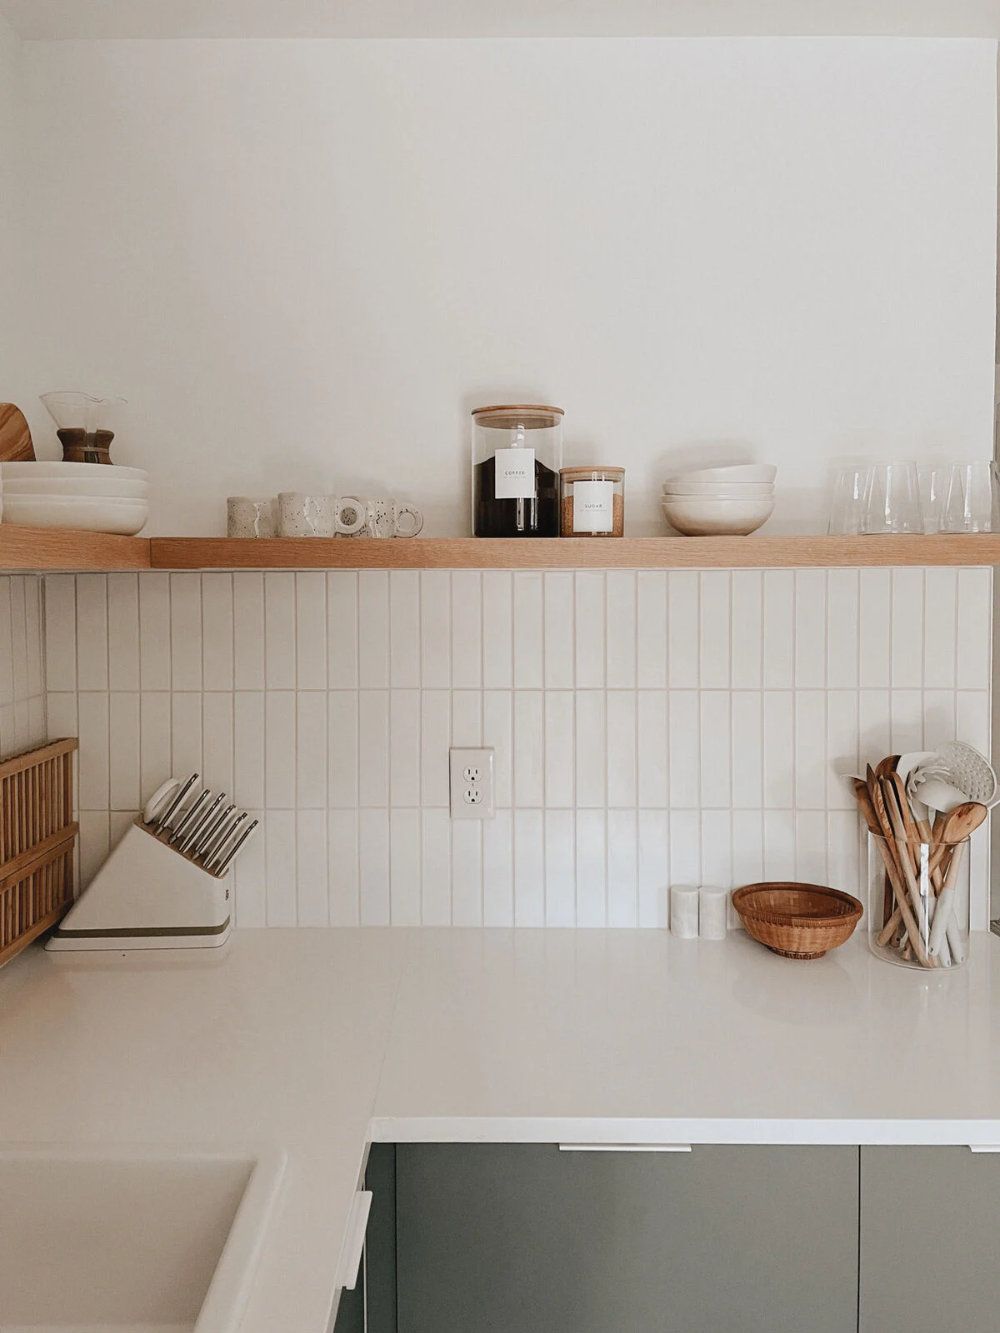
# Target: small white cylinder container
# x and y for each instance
(713, 912)
(684, 911)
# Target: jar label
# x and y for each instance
(515, 474)
(593, 506)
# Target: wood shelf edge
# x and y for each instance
(33, 550)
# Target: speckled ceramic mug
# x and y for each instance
(250, 516)
(314, 515)
(380, 517)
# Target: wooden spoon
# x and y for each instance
(884, 843)
(963, 822)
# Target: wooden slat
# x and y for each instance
(39, 928)
(23, 865)
(27, 549)
(17, 763)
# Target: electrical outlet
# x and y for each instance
(472, 795)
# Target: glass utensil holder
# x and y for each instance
(918, 902)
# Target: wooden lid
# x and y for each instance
(592, 473)
(508, 416)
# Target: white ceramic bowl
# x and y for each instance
(735, 472)
(716, 518)
(75, 488)
(63, 470)
(126, 517)
(710, 490)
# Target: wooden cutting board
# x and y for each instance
(15, 436)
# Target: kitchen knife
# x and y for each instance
(164, 821)
(189, 815)
(205, 841)
(223, 847)
(221, 835)
(190, 839)
(234, 849)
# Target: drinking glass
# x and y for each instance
(933, 490)
(847, 507)
(972, 499)
(892, 499)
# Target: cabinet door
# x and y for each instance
(930, 1240)
(516, 1238)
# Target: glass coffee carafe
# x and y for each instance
(85, 424)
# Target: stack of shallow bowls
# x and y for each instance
(720, 501)
(90, 497)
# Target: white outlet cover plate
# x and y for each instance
(472, 771)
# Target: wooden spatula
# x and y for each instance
(15, 436)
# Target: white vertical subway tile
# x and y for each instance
(715, 735)
(248, 744)
(940, 643)
(466, 717)
(373, 748)
(874, 623)
(842, 591)
(975, 620)
(91, 631)
(435, 629)
(779, 629)
(36, 721)
(342, 748)
(684, 749)
(404, 867)
(22, 725)
(528, 630)
(810, 750)
(120, 821)
(217, 740)
(907, 629)
(248, 630)
(60, 631)
(435, 741)
(498, 630)
(685, 847)
(123, 631)
(404, 629)
(217, 631)
(714, 621)
(312, 902)
(124, 750)
(279, 630)
(841, 748)
(342, 871)
(623, 868)
(621, 628)
(498, 870)
(185, 631)
(61, 708)
(810, 847)
(185, 733)
(779, 749)
(747, 749)
(33, 616)
(280, 863)
(560, 868)
(939, 717)
(311, 760)
(654, 867)
(810, 629)
(748, 847)
(651, 749)
(651, 629)
(591, 871)
(591, 749)
(529, 868)
(93, 757)
(779, 844)
(560, 634)
(373, 628)
(250, 877)
(622, 748)
(19, 645)
(747, 633)
(498, 721)
(435, 886)
(155, 760)
(466, 630)
(342, 629)
(310, 631)
(373, 860)
(906, 732)
(843, 862)
(7, 643)
(682, 630)
(972, 719)
(279, 749)
(717, 847)
(979, 877)
(591, 636)
(529, 748)
(404, 749)
(559, 748)
(874, 721)
(95, 843)
(466, 873)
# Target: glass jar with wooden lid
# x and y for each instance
(516, 457)
(593, 501)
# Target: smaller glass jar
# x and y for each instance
(918, 902)
(593, 501)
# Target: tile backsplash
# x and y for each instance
(22, 663)
(649, 727)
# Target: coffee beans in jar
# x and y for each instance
(593, 501)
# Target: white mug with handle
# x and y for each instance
(382, 517)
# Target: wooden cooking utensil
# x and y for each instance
(15, 436)
(884, 844)
(886, 802)
(888, 766)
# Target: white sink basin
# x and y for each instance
(130, 1241)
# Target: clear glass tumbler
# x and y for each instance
(971, 499)
(918, 902)
(847, 504)
(892, 500)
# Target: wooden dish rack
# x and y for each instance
(37, 839)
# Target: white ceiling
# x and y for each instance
(44, 19)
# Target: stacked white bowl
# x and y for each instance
(720, 501)
(91, 497)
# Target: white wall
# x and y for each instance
(12, 249)
(303, 262)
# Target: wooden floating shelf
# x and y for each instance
(39, 549)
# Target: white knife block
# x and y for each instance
(148, 895)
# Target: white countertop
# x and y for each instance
(321, 1041)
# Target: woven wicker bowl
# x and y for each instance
(797, 920)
